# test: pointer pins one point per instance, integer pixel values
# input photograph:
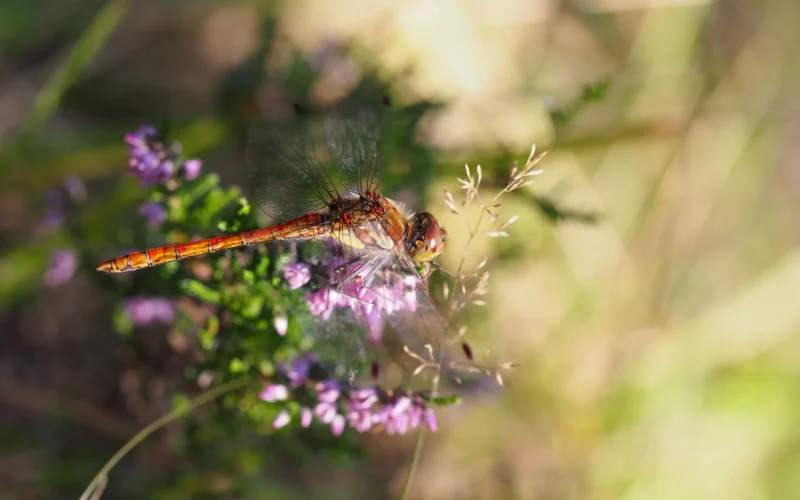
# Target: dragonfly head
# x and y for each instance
(425, 239)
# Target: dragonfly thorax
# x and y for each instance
(367, 221)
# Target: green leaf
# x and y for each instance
(209, 333)
(262, 266)
(595, 92)
(193, 191)
(244, 207)
(252, 307)
(200, 291)
(237, 366)
(123, 324)
(214, 203)
(445, 400)
(248, 276)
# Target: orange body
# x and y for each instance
(307, 226)
(383, 226)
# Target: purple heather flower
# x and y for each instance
(337, 425)
(155, 213)
(144, 311)
(328, 391)
(363, 399)
(322, 302)
(63, 264)
(52, 219)
(281, 324)
(401, 405)
(75, 187)
(430, 419)
(149, 160)
(298, 371)
(306, 415)
(325, 412)
(274, 392)
(191, 169)
(54, 198)
(341, 404)
(360, 420)
(54, 216)
(297, 274)
(282, 419)
(415, 414)
(371, 315)
(368, 303)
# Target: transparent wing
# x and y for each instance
(431, 342)
(353, 140)
(384, 323)
(302, 161)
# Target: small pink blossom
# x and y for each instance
(281, 324)
(282, 419)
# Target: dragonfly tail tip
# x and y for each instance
(105, 267)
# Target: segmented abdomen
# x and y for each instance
(307, 226)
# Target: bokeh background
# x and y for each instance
(650, 289)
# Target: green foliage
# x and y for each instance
(592, 93)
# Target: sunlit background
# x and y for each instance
(655, 330)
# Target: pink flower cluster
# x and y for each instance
(340, 404)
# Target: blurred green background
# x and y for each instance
(657, 346)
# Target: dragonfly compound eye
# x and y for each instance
(427, 238)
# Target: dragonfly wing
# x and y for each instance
(429, 339)
(303, 161)
(353, 140)
(284, 175)
(383, 322)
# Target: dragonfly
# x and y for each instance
(317, 177)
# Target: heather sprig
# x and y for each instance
(154, 161)
(252, 301)
(340, 403)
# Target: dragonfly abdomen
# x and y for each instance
(307, 226)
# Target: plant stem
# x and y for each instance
(101, 477)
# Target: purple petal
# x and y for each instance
(297, 274)
(337, 425)
(297, 373)
(150, 161)
(52, 218)
(281, 325)
(400, 406)
(430, 419)
(325, 412)
(155, 213)
(63, 265)
(362, 399)
(322, 302)
(360, 420)
(415, 415)
(191, 169)
(76, 188)
(144, 311)
(328, 391)
(274, 392)
(374, 321)
(282, 419)
(305, 417)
